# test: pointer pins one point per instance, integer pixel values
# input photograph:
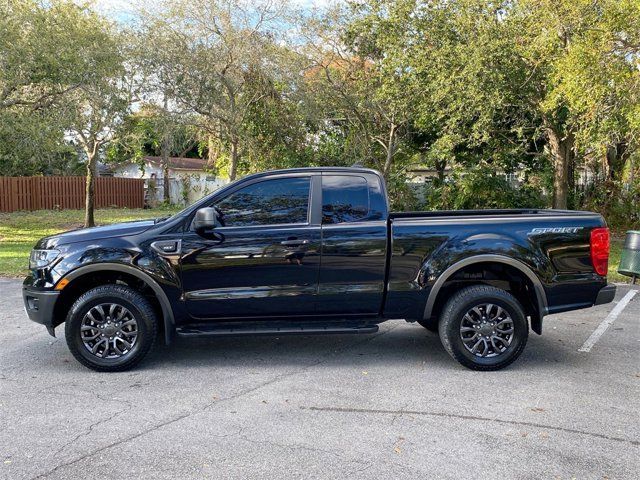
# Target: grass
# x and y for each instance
(19, 231)
(614, 260)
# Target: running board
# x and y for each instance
(239, 330)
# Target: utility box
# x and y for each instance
(630, 261)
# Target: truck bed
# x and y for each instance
(554, 244)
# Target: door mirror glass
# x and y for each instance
(205, 219)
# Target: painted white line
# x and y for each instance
(613, 314)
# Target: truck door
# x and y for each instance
(263, 261)
(354, 243)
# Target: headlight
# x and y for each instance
(42, 258)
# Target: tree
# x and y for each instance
(584, 77)
(157, 123)
(44, 51)
(45, 55)
(600, 78)
(209, 52)
(276, 131)
(154, 131)
(505, 82)
(64, 64)
(357, 87)
(543, 87)
(34, 143)
(96, 108)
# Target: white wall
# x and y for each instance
(133, 170)
(199, 182)
(198, 185)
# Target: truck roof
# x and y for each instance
(316, 169)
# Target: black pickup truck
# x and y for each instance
(310, 251)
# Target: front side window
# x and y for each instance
(271, 202)
(345, 198)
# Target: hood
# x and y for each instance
(95, 233)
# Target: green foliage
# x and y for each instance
(48, 53)
(47, 49)
(481, 188)
(32, 143)
(619, 206)
(209, 56)
(361, 96)
(274, 128)
(534, 86)
(144, 132)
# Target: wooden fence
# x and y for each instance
(42, 193)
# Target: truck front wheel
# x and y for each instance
(483, 327)
(110, 328)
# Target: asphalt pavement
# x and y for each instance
(387, 405)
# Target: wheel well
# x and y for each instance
(499, 275)
(72, 291)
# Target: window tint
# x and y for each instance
(284, 200)
(344, 198)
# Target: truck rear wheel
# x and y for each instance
(483, 328)
(110, 328)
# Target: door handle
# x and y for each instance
(294, 243)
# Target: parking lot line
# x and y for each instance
(613, 314)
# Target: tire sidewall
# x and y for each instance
(96, 297)
(514, 310)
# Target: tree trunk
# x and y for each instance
(164, 160)
(562, 152)
(441, 166)
(235, 156)
(211, 152)
(164, 156)
(616, 158)
(391, 150)
(165, 182)
(90, 190)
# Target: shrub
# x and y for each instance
(480, 189)
(619, 206)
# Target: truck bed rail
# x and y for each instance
(487, 212)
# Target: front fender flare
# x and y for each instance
(165, 304)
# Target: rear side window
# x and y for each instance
(277, 201)
(345, 198)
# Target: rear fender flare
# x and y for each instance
(541, 296)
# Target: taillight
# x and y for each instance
(600, 250)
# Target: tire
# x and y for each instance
(430, 324)
(485, 329)
(134, 324)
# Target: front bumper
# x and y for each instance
(606, 294)
(39, 305)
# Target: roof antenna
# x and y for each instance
(357, 165)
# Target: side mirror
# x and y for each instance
(205, 219)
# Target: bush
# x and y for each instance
(481, 189)
(402, 197)
(619, 206)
